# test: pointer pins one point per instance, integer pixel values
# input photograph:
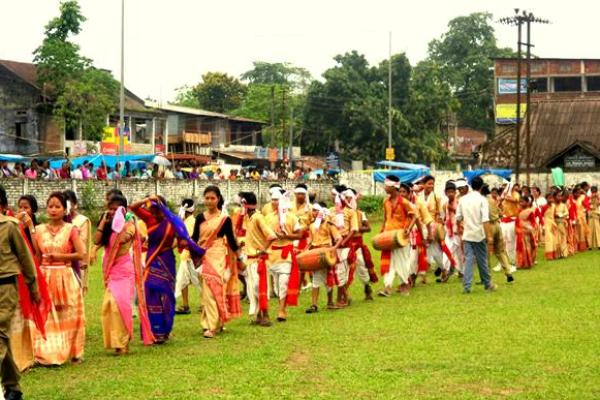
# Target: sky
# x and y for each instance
(171, 43)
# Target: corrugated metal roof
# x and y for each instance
(197, 111)
(555, 125)
(25, 71)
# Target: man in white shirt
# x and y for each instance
(473, 218)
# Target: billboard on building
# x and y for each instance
(507, 113)
(509, 86)
(110, 141)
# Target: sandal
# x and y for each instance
(312, 309)
(383, 293)
(183, 310)
(332, 307)
(208, 334)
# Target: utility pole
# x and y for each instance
(530, 18)
(390, 92)
(122, 93)
(518, 142)
(291, 150)
(519, 19)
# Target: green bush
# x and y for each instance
(371, 204)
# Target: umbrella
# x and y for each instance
(161, 160)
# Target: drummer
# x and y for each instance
(322, 233)
(346, 220)
(359, 259)
(283, 267)
(399, 213)
(301, 209)
(268, 208)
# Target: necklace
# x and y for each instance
(54, 229)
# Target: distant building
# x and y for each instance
(196, 131)
(565, 101)
(464, 144)
(564, 133)
(551, 79)
(27, 128)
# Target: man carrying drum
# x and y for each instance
(323, 234)
(346, 220)
(359, 257)
(302, 210)
(283, 267)
(399, 213)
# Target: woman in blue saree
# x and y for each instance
(159, 271)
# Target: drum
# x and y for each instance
(315, 259)
(390, 240)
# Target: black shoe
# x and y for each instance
(438, 271)
(312, 309)
(13, 395)
(368, 292)
(509, 278)
(184, 310)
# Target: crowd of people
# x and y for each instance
(181, 170)
(237, 253)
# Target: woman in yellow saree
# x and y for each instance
(213, 231)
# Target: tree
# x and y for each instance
(274, 90)
(464, 54)
(57, 59)
(216, 92)
(349, 111)
(285, 74)
(81, 95)
(85, 102)
(219, 92)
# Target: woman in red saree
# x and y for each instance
(551, 240)
(220, 291)
(526, 234)
(58, 246)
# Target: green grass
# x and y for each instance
(536, 339)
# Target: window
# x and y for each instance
(20, 129)
(539, 85)
(509, 69)
(537, 67)
(593, 83)
(567, 84)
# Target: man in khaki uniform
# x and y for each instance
(15, 258)
(496, 244)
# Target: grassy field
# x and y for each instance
(538, 338)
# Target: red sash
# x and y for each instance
(357, 243)
(294, 282)
(303, 243)
(263, 296)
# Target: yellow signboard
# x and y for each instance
(390, 155)
(507, 113)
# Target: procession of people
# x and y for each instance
(235, 253)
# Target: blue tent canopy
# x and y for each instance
(13, 158)
(402, 165)
(503, 173)
(406, 176)
(109, 160)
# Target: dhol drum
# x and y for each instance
(390, 240)
(315, 259)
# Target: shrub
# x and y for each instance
(371, 204)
